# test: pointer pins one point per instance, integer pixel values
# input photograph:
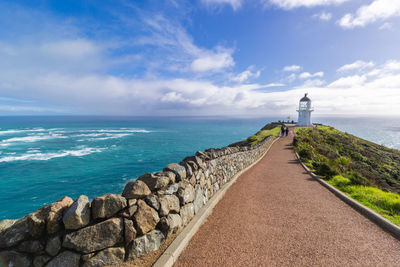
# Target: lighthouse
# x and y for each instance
(304, 111)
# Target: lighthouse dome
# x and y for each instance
(305, 98)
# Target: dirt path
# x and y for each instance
(277, 215)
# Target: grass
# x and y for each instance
(367, 172)
(261, 135)
(386, 204)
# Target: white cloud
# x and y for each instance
(323, 16)
(386, 26)
(235, 4)
(357, 65)
(246, 75)
(307, 75)
(367, 14)
(348, 82)
(292, 68)
(213, 62)
(290, 4)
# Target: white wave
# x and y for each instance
(122, 130)
(12, 131)
(46, 156)
(30, 139)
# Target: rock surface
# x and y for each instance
(155, 182)
(53, 246)
(185, 193)
(187, 213)
(145, 244)
(136, 189)
(13, 258)
(146, 218)
(78, 215)
(199, 199)
(96, 237)
(65, 259)
(168, 203)
(55, 213)
(40, 261)
(175, 222)
(153, 201)
(129, 231)
(106, 257)
(107, 205)
(31, 246)
(14, 233)
(179, 170)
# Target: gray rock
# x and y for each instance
(129, 231)
(65, 259)
(96, 237)
(187, 213)
(185, 192)
(128, 212)
(175, 223)
(199, 199)
(53, 245)
(31, 246)
(168, 203)
(105, 257)
(14, 259)
(179, 170)
(146, 218)
(192, 180)
(14, 233)
(37, 223)
(189, 171)
(78, 215)
(40, 261)
(153, 201)
(163, 224)
(136, 189)
(107, 205)
(155, 181)
(172, 189)
(215, 187)
(145, 244)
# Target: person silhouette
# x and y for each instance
(287, 131)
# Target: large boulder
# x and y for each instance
(96, 237)
(185, 192)
(78, 215)
(107, 205)
(155, 181)
(105, 257)
(146, 218)
(168, 203)
(153, 201)
(172, 189)
(13, 233)
(179, 170)
(129, 231)
(13, 258)
(136, 189)
(187, 213)
(145, 244)
(55, 214)
(174, 222)
(5, 224)
(65, 259)
(53, 245)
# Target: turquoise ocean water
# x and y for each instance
(45, 158)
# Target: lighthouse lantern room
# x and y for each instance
(304, 111)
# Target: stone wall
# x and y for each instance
(115, 228)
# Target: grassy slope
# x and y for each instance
(367, 172)
(268, 130)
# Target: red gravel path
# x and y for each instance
(277, 215)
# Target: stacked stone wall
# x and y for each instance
(113, 228)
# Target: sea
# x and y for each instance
(43, 158)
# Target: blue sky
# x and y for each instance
(200, 57)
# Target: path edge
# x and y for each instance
(171, 254)
(378, 219)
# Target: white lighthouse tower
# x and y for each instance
(304, 111)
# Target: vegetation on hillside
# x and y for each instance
(271, 129)
(368, 172)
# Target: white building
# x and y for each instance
(304, 111)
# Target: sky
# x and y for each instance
(241, 58)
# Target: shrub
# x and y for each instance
(324, 169)
(339, 181)
(357, 179)
(305, 151)
(343, 161)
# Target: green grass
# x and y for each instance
(386, 204)
(367, 172)
(258, 137)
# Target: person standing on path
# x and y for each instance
(287, 131)
(282, 130)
